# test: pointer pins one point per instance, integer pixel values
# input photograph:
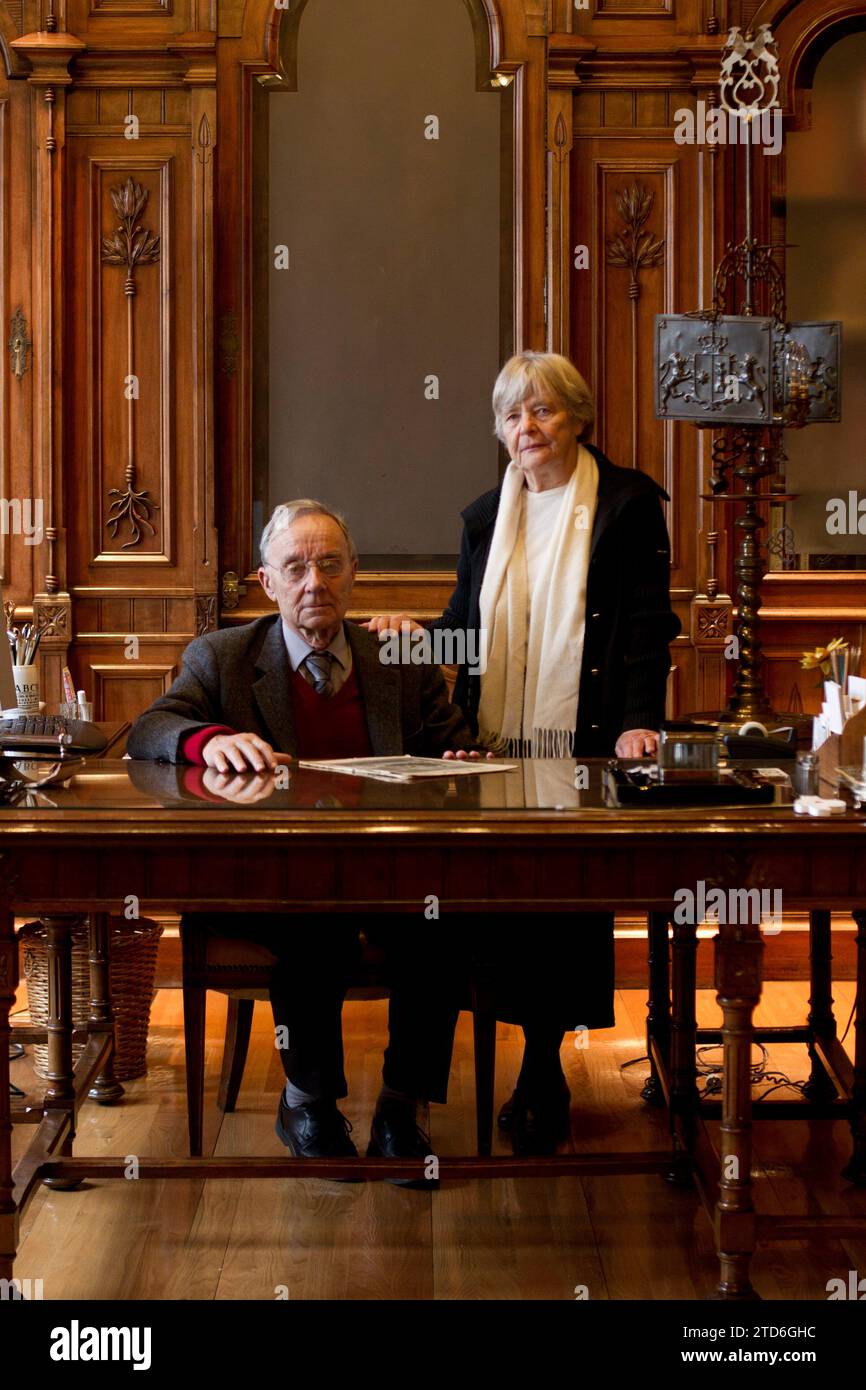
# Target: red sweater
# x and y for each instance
(332, 727)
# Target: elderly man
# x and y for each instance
(303, 683)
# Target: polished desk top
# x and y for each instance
(123, 797)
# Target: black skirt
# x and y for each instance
(556, 969)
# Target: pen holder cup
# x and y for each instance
(27, 688)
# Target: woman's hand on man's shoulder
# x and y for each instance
(392, 622)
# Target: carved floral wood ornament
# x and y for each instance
(636, 249)
(130, 246)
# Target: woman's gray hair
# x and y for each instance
(547, 374)
(287, 513)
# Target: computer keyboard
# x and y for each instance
(41, 733)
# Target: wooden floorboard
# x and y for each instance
(616, 1238)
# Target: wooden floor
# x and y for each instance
(621, 1238)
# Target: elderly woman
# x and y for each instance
(566, 567)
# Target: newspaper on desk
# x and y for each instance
(405, 768)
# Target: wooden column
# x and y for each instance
(106, 1088)
(199, 50)
(855, 1171)
(739, 952)
(8, 985)
(60, 1094)
(49, 55)
(684, 1091)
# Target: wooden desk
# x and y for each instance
(522, 842)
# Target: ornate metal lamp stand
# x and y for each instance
(752, 375)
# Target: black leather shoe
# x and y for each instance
(315, 1130)
(537, 1123)
(396, 1134)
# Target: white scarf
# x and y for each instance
(533, 704)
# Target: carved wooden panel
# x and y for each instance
(130, 345)
(127, 9)
(633, 9)
(136, 614)
(137, 299)
(628, 211)
(639, 207)
(132, 380)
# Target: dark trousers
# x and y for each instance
(549, 976)
(316, 961)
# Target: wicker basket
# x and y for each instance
(132, 967)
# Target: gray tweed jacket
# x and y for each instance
(240, 676)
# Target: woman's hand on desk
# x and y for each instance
(461, 755)
(637, 743)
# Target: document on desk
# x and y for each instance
(405, 768)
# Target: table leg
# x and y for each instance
(8, 985)
(739, 951)
(106, 1089)
(856, 1169)
(684, 1089)
(821, 1020)
(658, 1019)
(60, 1094)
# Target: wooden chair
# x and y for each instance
(241, 969)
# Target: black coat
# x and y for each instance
(629, 621)
(560, 973)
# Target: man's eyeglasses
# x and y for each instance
(331, 566)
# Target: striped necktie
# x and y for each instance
(319, 666)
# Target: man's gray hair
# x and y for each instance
(287, 513)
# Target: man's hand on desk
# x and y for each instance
(242, 753)
(239, 787)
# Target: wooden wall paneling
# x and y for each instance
(152, 576)
(7, 490)
(162, 72)
(630, 180)
(625, 188)
(17, 558)
(200, 79)
(242, 63)
(787, 640)
(133, 26)
(117, 688)
(562, 251)
(595, 93)
(821, 604)
(49, 56)
(131, 384)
